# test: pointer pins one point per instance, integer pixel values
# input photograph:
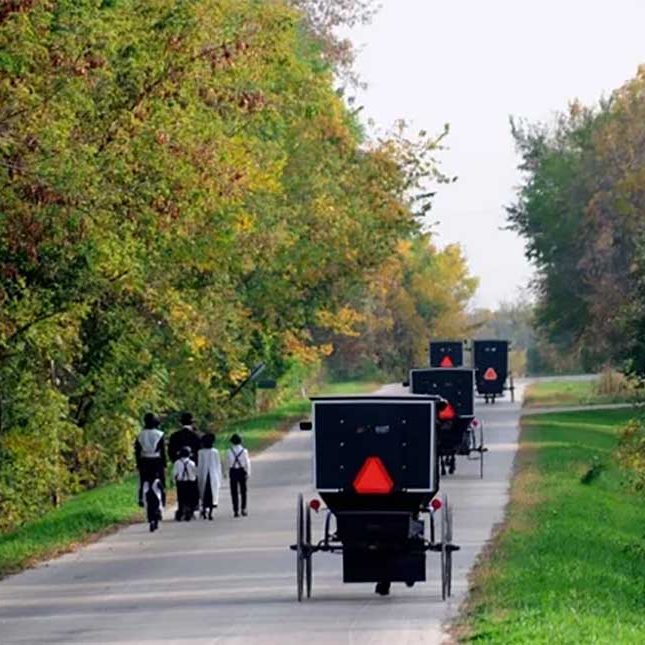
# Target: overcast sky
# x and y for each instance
(473, 63)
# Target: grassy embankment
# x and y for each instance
(569, 564)
(564, 393)
(93, 513)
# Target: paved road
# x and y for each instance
(232, 580)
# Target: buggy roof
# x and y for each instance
(442, 370)
(379, 397)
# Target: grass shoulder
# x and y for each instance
(261, 430)
(567, 565)
(83, 518)
(91, 515)
(560, 393)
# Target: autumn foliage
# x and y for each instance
(184, 194)
(580, 209)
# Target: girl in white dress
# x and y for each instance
(209, 475)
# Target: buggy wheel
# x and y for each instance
(328, 528)
(446, 550)
(309, 555)
(481, 449)
(471, 442)
(300, 529)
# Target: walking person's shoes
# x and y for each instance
(236, 514)
(244, 513)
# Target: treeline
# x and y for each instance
(184, 194)
(532, 353)
(581, 209)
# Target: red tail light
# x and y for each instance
(436, 504)
(314, 505)
(373, 478)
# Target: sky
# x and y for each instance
(473, 64)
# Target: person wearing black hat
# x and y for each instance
(150, 456)
(185, 437)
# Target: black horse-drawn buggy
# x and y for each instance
(458, 431)
(446, 353)
(490, 359)
(375, 469)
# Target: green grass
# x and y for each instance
(90, 514)
(263, 429)
(563, 393)
(82, 517)
(569, 564)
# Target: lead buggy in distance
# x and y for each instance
(446, 353)
(375, 468)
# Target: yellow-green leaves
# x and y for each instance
(184, 194)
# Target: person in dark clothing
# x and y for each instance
(186, 437)
(239, 465)
(152, 502)
(185, 475)
(150, 456)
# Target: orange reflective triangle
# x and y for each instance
(448, 413)
(373, 478)
(446, 361)
(490, 374)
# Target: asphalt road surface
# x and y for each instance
(233, 581)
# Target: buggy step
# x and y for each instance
(437, 548)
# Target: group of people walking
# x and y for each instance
(196, 470)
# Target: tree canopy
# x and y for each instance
(184, 194)
(580, 209)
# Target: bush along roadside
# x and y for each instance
(567, 566)
(631, 453)
(610, 387)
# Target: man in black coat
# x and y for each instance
(186, 437)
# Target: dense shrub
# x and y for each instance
(631, 453)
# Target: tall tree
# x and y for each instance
(183, 193)
(580, 209)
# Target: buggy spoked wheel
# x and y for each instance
(446, 549)
(328, 535)
(308, 554)
(300, 547)
(481, 449)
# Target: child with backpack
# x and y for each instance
(239, 471)
(185, 475)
